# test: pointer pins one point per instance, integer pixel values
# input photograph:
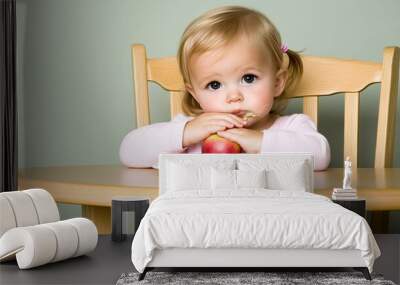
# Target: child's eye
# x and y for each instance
(249, 78)
(214, 85)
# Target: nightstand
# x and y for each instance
(356, 205)
(126, 214)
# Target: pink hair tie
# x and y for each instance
(284, 48)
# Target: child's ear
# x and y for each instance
(190, 89)
(280, 82)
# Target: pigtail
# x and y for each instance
(295, 70)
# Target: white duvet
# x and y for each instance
(250, 219)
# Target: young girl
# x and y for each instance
(233, 63)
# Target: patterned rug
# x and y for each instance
(231, 278)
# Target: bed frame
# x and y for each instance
(240, 259)
(243, 259)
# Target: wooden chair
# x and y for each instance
(323, 76)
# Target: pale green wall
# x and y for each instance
(74, 71)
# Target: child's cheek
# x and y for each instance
(209, 104)
(209, 107)
(262, 103)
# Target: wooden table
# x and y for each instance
(93, 186)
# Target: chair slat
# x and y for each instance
(166, 73)
(176, 98)
(327, 76)
(139, 62)
(310, 108)
(385, 135)
(351, 115)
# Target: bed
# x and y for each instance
(247, 210)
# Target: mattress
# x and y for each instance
(250, 219)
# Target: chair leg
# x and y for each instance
(364, 271)
(143, 274)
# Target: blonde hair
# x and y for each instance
(217, 28)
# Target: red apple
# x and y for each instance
(217, 144)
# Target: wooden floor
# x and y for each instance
(110, 260)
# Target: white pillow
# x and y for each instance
(282, 174)
(223, 179)
(251, 178)
(183, 178)
(294, 178)
(185, 175)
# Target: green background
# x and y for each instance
(74, 78)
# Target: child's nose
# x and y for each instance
(234, 96)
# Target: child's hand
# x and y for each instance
(249, 140)
(206, 124)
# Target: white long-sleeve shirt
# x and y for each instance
(293, 133)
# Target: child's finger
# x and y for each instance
(236, 118)
(236, 131)
(222, 122)
(237, 121)
(229, 135)
(212, 129)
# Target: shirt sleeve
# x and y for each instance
(141, 147)
(298, 135)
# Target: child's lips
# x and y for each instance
(239, 113)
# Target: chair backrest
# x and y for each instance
(322, 76)
(27, 208)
